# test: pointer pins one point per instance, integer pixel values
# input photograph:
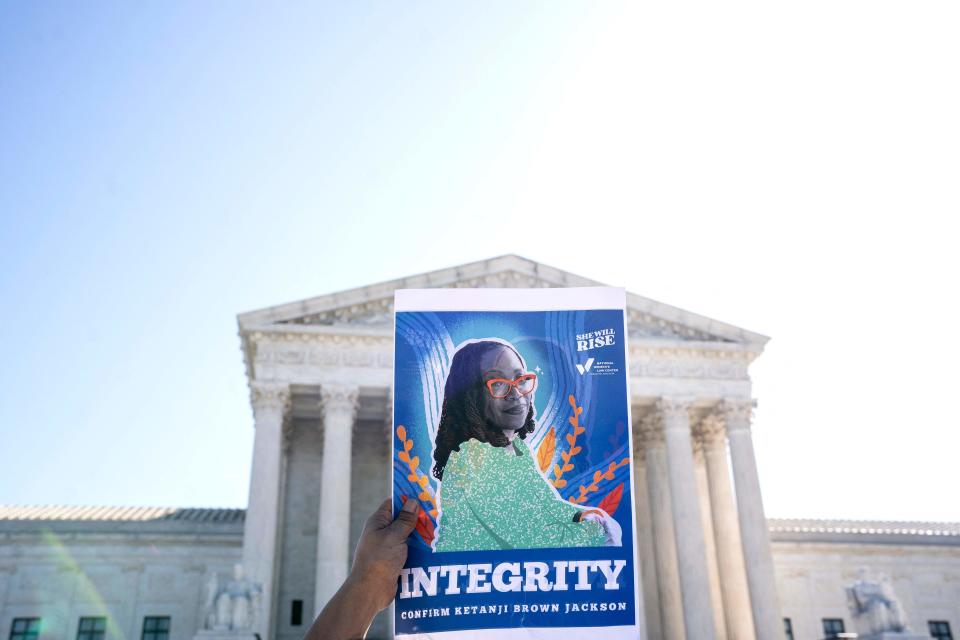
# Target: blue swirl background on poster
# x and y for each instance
(425, 344)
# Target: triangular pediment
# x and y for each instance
(372, 306)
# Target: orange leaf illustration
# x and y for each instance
(424, 495)
(612, 500)
(403, 455)
(415, 462)
(408, 445)
(571, 440)
(402, 432)
(596, 476)
(560, 484)
(547, 448)
(412, 477)
(422, 482)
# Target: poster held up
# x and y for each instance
(511, 428)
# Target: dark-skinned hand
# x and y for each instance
(372, 583)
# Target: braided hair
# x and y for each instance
(461, 416)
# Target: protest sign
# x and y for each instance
(511, 427)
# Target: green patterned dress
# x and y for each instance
(495, 498)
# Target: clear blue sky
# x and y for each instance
(165, 166)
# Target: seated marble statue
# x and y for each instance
(233, 606)
(874, 607)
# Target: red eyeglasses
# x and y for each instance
(501, 387)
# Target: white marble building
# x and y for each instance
(320, 374)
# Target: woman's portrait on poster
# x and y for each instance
(492, 494)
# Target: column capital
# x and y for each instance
(675, 411)
(650, 429)
(339, 398)
(711, 429)
(639, 443)
(697, 446)
(737, 413)
(269, 396)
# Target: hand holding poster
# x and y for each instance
(511, 428)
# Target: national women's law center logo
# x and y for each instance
(583, 368)
(596, 367)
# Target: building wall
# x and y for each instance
(125, 574)
(811, 577)
(126, 571)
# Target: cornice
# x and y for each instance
(347, 334)
(859, 533)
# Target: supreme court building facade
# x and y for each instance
(320, 375)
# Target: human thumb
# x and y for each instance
(406, 519)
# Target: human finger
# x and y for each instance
(406, 520)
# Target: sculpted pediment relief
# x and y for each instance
(369, 314)
(646, 325)
(379, 313)
(372, 307)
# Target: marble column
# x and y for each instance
(646, 554)
(270, 402)
(687, 526)
(661, 518)
(754, 532)
(710, 547)
(726, 532)
(339, 404)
